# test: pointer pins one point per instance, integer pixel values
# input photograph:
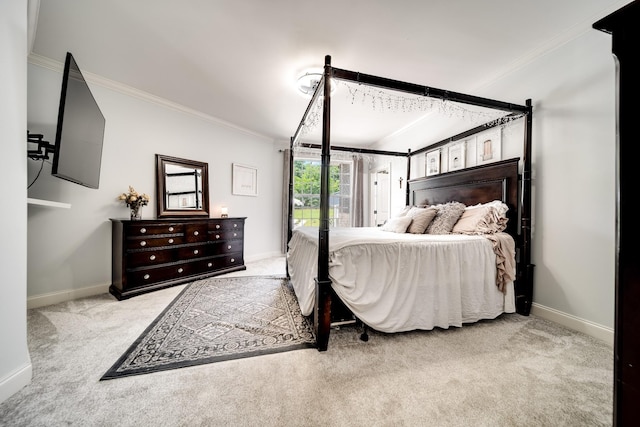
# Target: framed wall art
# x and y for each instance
(489, 147)
(245, 180)
(457, 156)
(432, 162)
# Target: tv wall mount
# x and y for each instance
(44, 147)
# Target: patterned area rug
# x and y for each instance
(219, 319)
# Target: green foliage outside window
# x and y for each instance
(306, 182)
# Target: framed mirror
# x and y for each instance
(182, 187)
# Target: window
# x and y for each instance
(306, 193)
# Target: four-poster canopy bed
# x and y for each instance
(353, 275)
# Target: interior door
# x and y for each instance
(381, 197)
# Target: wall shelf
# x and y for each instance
(49, 203)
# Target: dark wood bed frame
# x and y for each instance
(480, 184)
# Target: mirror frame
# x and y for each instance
(162, 210)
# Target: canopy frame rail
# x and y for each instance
(322, 308)
(427, 91)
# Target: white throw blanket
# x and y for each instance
(400, 281)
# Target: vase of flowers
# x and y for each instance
(134, 202)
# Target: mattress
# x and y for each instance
(396, 282)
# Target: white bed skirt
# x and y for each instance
(400, 282)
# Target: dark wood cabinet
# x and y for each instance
(625, 33)
(152, 254)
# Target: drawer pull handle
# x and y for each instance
(217, 226)
(233, 260)
(146, 276)
(217, 236)
(170, 240)
(196, 252)
(209, 265)
(143, 230)
(235, 234)
(195, 233)
(170, 228)
(235, 225)
(228, 246)
(143, 243)
(180, 270)
(152, 257)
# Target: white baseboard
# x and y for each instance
(11, 384)
(600, 332)
(265, 255)
(43, 300)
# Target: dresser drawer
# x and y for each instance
(227, 247)
(150, 258)
(164, 255)
(154, 241)
(218, 225)
(192, 251)
(231, 260)
(225, 235)
(220, 262)
(147, 276)
(195, 233)
(146, 229)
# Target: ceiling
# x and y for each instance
(237, 61)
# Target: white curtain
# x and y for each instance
(357, 207)
(285, 198)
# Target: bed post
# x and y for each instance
(322, 309)
(407, 194)
(524, 295)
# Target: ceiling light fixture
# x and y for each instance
(308, 82)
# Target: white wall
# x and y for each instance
(15, 364)
(573, 93)
(70, 249)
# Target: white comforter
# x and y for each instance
(399, 282)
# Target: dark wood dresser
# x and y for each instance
(152, 254)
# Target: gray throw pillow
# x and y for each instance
(447, 216)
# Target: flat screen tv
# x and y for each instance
(80, 130)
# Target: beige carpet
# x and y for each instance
(512, 371)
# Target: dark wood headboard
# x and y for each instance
(478, 184)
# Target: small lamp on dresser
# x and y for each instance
(224, 212)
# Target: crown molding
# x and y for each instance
(50, 64)
(33, 9)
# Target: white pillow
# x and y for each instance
(471, 217)
(397, 225)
